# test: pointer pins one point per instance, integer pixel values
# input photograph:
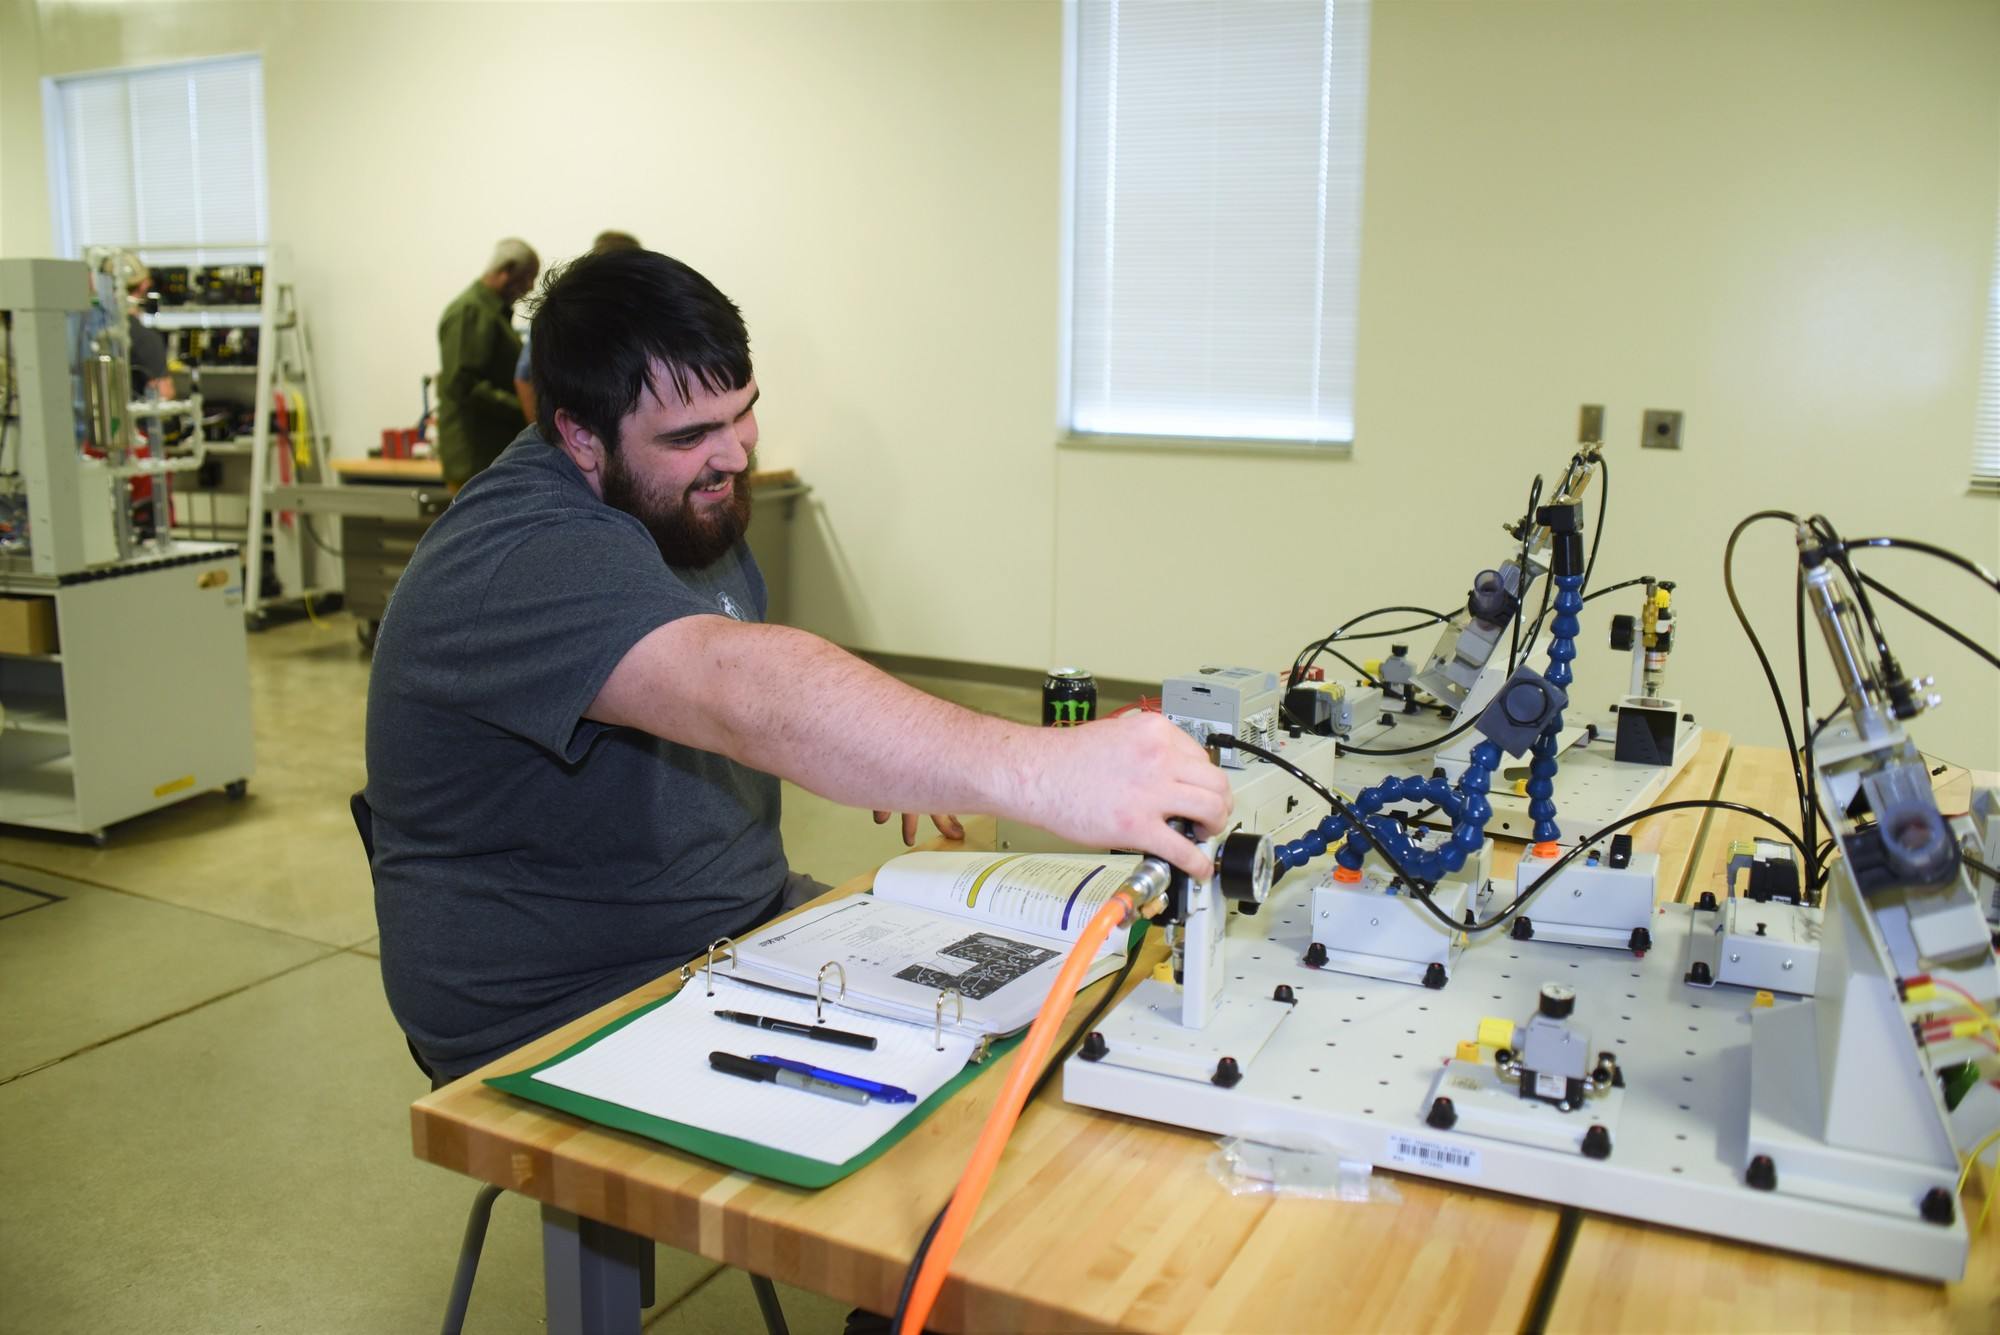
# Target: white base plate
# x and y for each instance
(1145, 1032)
(1490, 1105)
(1354, 1065)
(1772, 947)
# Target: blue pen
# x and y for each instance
(874, 1089)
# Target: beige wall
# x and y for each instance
(24, 200)
(1777, 217)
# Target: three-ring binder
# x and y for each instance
(708, 963)
(819, 988)
(957, 1017)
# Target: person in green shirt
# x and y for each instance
(478, 413)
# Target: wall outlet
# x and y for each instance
(1661, 429)
(1590, 424)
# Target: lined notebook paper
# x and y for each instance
(658, 1065)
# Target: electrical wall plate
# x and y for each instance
(1590, 424)
(1661, 429)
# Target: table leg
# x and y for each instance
(591, 1275)
(767, 1303)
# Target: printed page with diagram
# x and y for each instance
(896, 958)
(1049, 894)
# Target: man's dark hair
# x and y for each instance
(603, 319)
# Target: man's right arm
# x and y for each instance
(791, 704)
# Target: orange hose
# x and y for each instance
(1007, 1110)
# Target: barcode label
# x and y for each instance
(1430, 1154)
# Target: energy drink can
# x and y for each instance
(1069, 697)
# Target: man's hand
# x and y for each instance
(1116, 783)
(948, 826)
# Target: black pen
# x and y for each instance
(814, 1031)
(730, 1064)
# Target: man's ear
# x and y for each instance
(583, 447)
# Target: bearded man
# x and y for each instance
(577, 718)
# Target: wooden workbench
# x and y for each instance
(1100, 1222)
(1146, 1240)
(416, 472)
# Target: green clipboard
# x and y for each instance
(733, 1151)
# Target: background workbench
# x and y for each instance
(1106, 1222)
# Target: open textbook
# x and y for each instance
(992, 928)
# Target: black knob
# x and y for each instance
(1244, 866)
(1525, 703)
(1623, 631)
(1558, 1000)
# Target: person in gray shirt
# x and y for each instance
(577, 718)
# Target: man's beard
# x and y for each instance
(686, 536)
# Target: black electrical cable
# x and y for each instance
(1394, 631)
(1535, 626)
(1521, 897)
(1977, 865)
(1936, 621)
(1820, 726)
(1603, 503)
(916, 1264)
(1809, 814)
(1413, 749)
(1067, 1050)
(1928, 549)
(1763, 659)
(1302, 663)
(1521, 573)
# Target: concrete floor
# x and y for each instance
(203, 1098)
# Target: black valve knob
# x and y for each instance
(1244, 867)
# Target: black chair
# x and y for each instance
(474, 1242)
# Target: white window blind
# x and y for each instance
(167, 161)
(1986, 437)
(1216, 217)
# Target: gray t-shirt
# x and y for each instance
(531, 864)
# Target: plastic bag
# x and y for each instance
(1296, 1168)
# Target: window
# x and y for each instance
(1215, 218)
(1986, 436)
(167, 160)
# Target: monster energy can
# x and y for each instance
(1069, 697)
